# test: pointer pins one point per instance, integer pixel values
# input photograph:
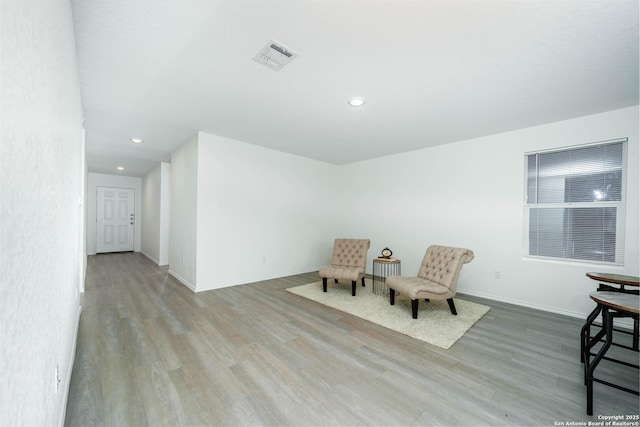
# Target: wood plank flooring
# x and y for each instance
(151, 352)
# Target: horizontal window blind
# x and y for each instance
(574, 205)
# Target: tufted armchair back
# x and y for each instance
(442, 264)
(350, 252)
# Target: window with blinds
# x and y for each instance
(574, 208)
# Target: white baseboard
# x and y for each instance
(72, 359)
(205, 288)
(152, 258)
(624, 323)
(182, 280)
(524, 304)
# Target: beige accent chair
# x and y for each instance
(347, 262)
(437, 278)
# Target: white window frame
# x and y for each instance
(619, 205)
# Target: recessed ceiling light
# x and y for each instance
(136, 140)
(120, 168)
(356, 101)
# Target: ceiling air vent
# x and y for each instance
(274, 55)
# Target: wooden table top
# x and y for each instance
(618, 279)
(387, 260)
(617, 300)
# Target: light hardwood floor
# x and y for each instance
(151, 352)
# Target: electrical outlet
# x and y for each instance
(497, 274)
(183, 260)
(264, 259)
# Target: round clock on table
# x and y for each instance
(386, 253)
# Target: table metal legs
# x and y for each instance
(382, 270)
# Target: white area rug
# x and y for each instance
(435, 323)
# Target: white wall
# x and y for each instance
(41, 174)
(150, 215)
(471, 194)
(96, 180)
(242, 213)
(154, 218)
(261, 213)
(264, 214)
(184, 203)
(165, 213)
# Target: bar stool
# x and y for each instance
(612, 305)
(614, 283)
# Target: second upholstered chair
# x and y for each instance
(437, 278)
(348, 262)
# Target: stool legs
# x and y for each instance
(585, 333)
(607, 326)
(635, 333)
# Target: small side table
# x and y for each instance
(383, 268)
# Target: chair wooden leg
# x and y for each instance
(353, 288)
(324, 284)
(414, 308)
(452, 307)
(363, 281)
(335, 280)
(392, 296)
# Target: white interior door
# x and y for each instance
(115, 216)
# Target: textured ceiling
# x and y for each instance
(432, 72)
